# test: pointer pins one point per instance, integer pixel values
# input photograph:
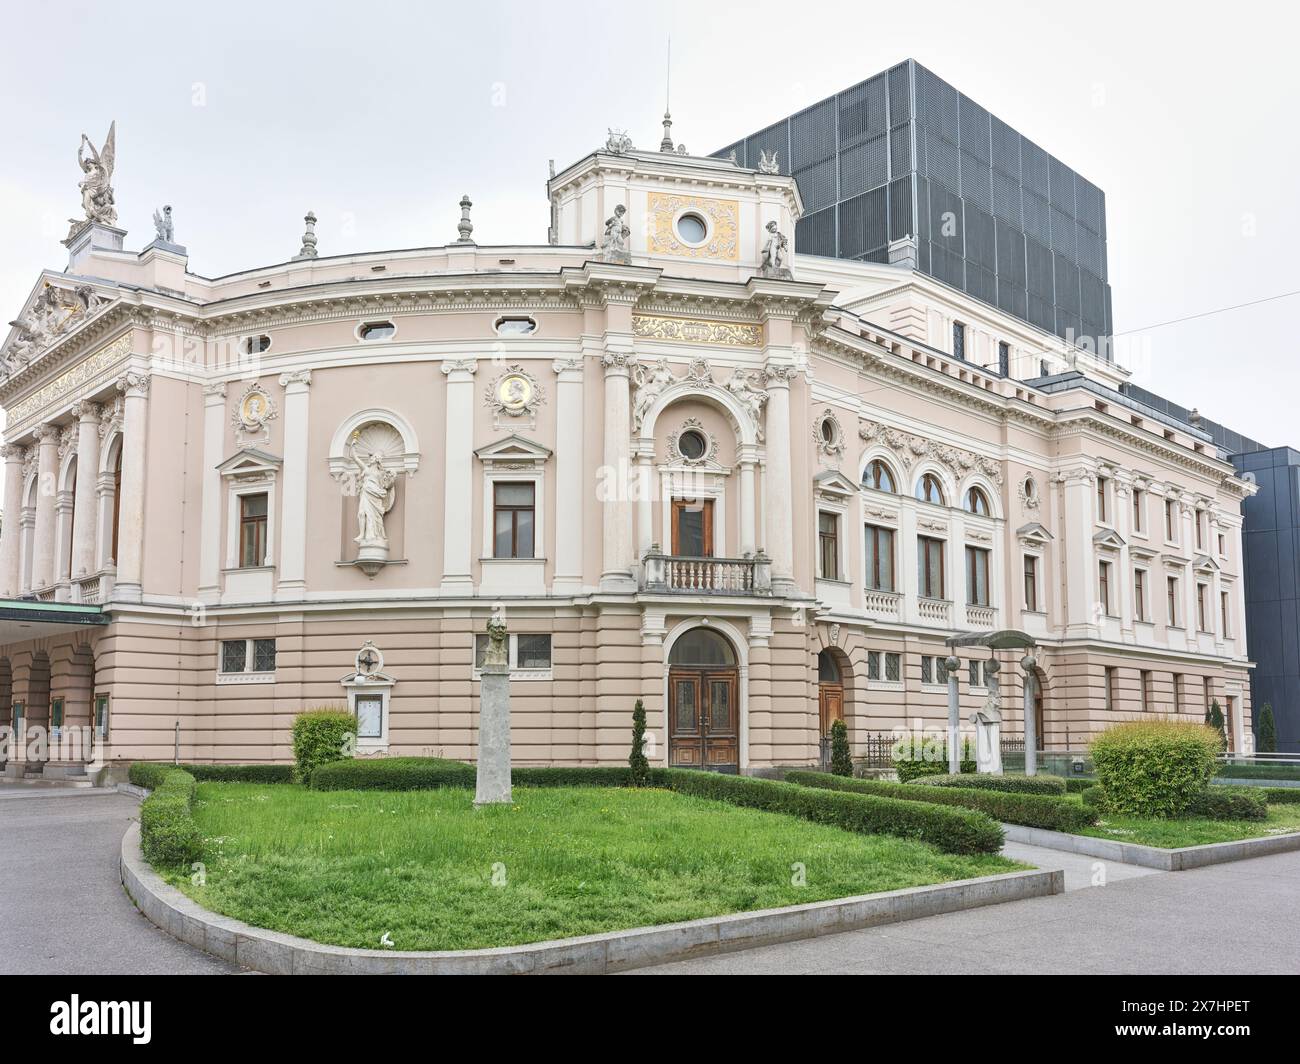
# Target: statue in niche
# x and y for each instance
(775, 254)
(614, 244)
(376, 493)
(648, 388)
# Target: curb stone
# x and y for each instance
(1180, 859)
(615, 951)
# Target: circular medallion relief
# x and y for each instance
(514, 392)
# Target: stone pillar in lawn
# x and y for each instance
(492, 786)
(952, 664)
(1032, 738)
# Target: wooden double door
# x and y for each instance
(703, 719)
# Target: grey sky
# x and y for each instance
(380, 115)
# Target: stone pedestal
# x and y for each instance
(492, 786)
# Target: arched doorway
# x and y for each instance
(830, 690)
(38, 698)
(703, 707)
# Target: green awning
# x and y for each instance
(23, 619)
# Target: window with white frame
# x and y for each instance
(884, 666)
(246, 661)
(933, 670)
(1140, 610)
(976, 672)
(828, 544)
(1171, 600)
(930, 566)
(1139, 511)
(879, 574)
(977, 576)
(529, 655)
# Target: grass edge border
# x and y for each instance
(1164, 859)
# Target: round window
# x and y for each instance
(692, 228)
(828, 430)
(692, 445)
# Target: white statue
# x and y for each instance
(749, 395)
(614, 244)
(648, 388)
(988, 724)
(97, 186)
(163, 226)
(767, 164)
(775, 254)
(376, 493)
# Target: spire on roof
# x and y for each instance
(465, 227)
(308, 249)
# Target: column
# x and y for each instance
(11, 529)
(457, 571)
(748, 467)
(130, 521)
(85, 518)
(953, 665)
(645, 533)
(779, 508)
(293, 524)
(1032, 738)
(1123, 519)
(569, 509)
(1190, 620)
(47, 477)
(616, 574)
(214, 428)
(1081, 617)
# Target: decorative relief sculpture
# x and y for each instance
(253, 414)
(828, 437)
(163, 226)
(775, 256)
(911, 449)
(650, 384)
(97, 186)
(697, 331)
(988, 724)
(54, 312)
(618, 142)
(750, 395)
(514, 394)
(693, 426)
(614, 244)
(767, 164)
(723, 241)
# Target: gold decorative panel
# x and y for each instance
(83, 371)
(722, 215)
(697, 331)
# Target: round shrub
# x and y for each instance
(319, 737)
(1153, 768)
(987, 782)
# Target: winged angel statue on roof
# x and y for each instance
(97, 185)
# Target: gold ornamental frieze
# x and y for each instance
(697, 331)
(87, 369)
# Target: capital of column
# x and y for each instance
(134, 385)
(46, 433)
(617, 363)
(568, 370)
(779, 374)
(296, 381)
(86, 412)
(214, 393)
(459, 369)
(12, 452)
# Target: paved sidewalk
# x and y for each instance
(1225, 919)
(1081, 871)
(64, 909)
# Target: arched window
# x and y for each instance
(700, 646)
(977, 502)
(827, 670)
(879, 477)
(928, 489)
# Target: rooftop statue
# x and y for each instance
(97, 186)
(775, 254)
(163, 226)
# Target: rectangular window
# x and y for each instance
(101, 715)
(873, 664)
(1004, 358)
(692, 528)
(264, 655)
(1139, 509)
(1031, 583)
(1223, 546)
(893, 667)
(1101, 499)
(880, 558)
(370, 716)
(1103, 586)
(1171, 599)
(975, 672)
(234, 655)
(977, 576)
(1171, 521)
(1140, 594)
(252, 531)
(1202, 608)
(828, 544)
(527, 652)
(512, 519)
(927, 668)
(958, 340)
(1112, 687)
(1224, 603)
(56, 716)
(247, 655)
(929, 567)
(1200, 530)
(1148, 694)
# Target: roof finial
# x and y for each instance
(465, 226)
(308, 249)
(666, 145)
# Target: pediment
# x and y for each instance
(56, 306)
(514, 448)
(833, 482)
(250, 462)
(1203, 563)
(1108, 539)
(1034, 533)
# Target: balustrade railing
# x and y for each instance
(679, 574)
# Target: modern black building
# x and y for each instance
(905, 155)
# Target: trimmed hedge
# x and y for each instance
(168, 833)
(1154, 768)
(932, 759)
(951, 830)
(429, 773)
(1031, 810)
(1075, 785)
(1281, 795)
(321, 736)
(149, 774)
(1094, 798)
(1012, 784)
(241, 773)
(1229, 803)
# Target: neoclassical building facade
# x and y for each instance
(756, 490)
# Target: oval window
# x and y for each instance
(692, 228)
(377, 330)
(255, 345)
(828, 430)
(516, 326)
(692, 445)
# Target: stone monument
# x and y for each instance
(492, 784)
(988, 725)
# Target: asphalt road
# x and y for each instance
(62, 906)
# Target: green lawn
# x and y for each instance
(1191, 831)
(347, 867)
